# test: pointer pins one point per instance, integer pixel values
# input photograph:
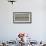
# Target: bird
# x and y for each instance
(11, 1)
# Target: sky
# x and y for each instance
(37, 29)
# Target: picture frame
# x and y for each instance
(22, 17)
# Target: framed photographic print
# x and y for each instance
(22, 17)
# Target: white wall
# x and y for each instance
(37, 28)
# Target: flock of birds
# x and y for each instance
(19, 42)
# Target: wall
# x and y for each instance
(9, 31)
